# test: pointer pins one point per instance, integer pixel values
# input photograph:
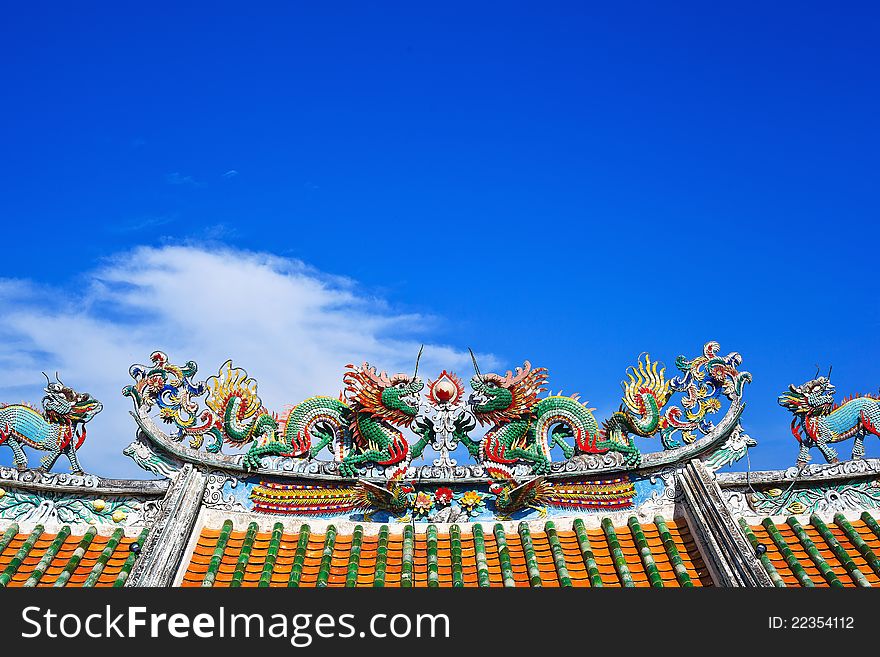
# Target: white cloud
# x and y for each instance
(291, 327)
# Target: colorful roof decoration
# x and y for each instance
(364, 489)
(382, 424)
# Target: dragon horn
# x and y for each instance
(57, 379)
(418, 358)
(47, 378)
(817, 372)
(829, 372)
(476, 367)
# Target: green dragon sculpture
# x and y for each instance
(702, 381)
(644, 396)
(525, 428)
(379, 405)
(239, 418)
(361, 426)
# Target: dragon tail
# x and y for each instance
(315, 423)
(645, 380)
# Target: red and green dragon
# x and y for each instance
(525, 427)
(361, 426)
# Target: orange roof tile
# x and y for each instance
(777, 537)
(367, 564)
(54, 556)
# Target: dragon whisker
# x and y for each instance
(417, 362)
(476, 367)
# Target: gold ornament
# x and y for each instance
(797, 507)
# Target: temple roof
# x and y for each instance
(332, 493)
(660, 554)
(841, 553)
(66, 557)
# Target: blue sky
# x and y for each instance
(570, 183)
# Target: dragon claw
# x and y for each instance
(632, 458)
(251, 461)
(669, 444)
(541, 467)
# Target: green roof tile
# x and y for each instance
(455, 554)
(775, 577)
(300, 556)
(859, 543)
(813, 551)
(793, 564)
(217, 556)
(326, 557)
(431, 545)
(354, 556)
(10, 533)
(106, 553)
(681, 573)
(480, 556)
(125, 571)
(525, 537)
(617, 555)
(271, 554)
(645, 555)
(558, 555)
(26, 547)
(244, 556)
(406, 568)
(381, 557)
(504, 556)
(76, 557)
(587, 553)
(868, 519)
(40, 569)
(839, 551)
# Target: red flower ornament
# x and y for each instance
(443, 495)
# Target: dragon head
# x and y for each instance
(496, 399)
(815, 397)
(63, 403)
(394, 399)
